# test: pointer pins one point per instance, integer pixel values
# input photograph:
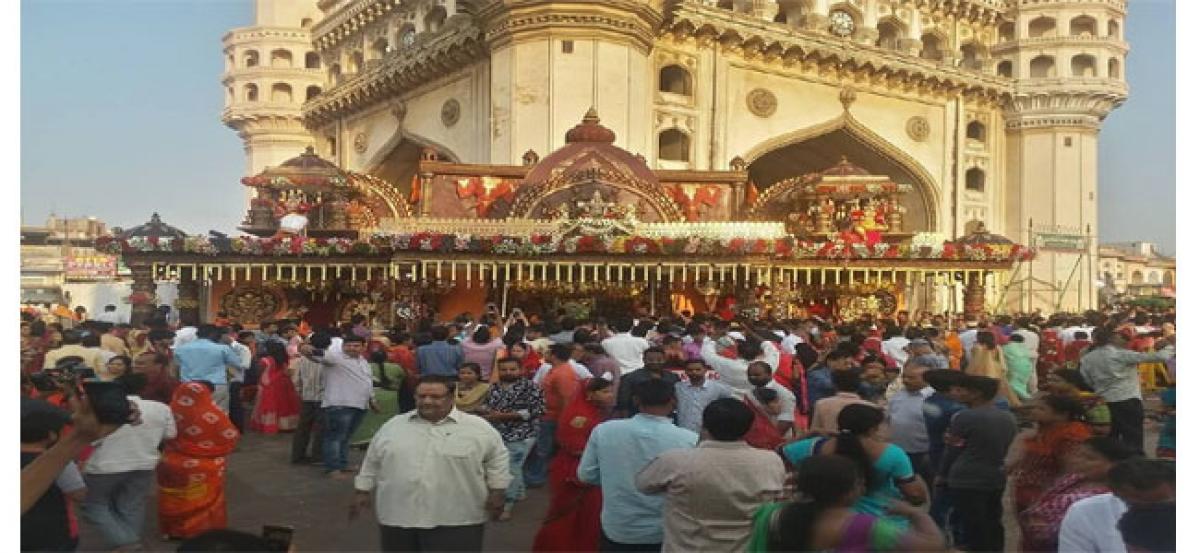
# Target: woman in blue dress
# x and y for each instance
(890, 475)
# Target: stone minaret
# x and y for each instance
(1068, 62)
(270, 71)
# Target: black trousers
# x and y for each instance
(306, 441)
(237, 412)
(1127, 420)
(980, 517)
(440, 538)
(920, 465)
(609, 546)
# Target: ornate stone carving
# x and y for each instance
(399, 111)
(762, 102)
(848, 97)
(451, 110)
(251, 303)
(918, 128)
(360, 143)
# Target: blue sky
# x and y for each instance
(121, 102)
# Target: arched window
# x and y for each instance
(1084, 25)
(675, 79)
(250, 92)
(1043, 27)
(311, 92)
(1042, 67)
(356, 63)
(250, 58)
(890, 34)
(969, 53)
(1008, 31)
(1114, 68)
(931, 46)
(976, 179)
(281, 58)
(725, 4)
(1083, 65)
(335, 73)
(674, 145)
(229, 61)
(1169, 278)
(281, 93)
(976, 131)
(435, 18)
(312, 60)
(1114, 28)
(1004, 69)
(379, 48)
(306, 23)
(791, 12)
(1137, 278)
(228, 95)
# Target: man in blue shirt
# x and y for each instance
(439, 358)
(205, 359)
(820, 378)
(617, 451)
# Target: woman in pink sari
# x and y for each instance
(277, 408)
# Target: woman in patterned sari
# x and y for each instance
(1088, 472)
(1042, 457)
(191, 476)
(573, 519)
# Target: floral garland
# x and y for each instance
(544, 244)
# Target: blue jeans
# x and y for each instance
(517, 452)
(116, 504)
(340, 424)
(538, 468)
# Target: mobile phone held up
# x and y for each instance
(278, 538)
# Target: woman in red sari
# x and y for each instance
(277, 408)
(1042, 459)
(191, 475)
(573, 520)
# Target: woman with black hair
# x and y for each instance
(824, 517)
(1087, 476)
(1042, 459)
(388, 379)
(1069, 383)
(277, 407)
(887, 469)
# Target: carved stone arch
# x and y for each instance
(925, 187)
(530, 200)
(396, 161)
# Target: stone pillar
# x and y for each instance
(974, 296)
(188, 302)
(143, 296)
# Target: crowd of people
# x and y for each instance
(674, 433)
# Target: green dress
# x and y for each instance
(385, 397)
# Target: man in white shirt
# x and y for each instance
(625, 348)
(120, 473)
(109, 315)
(759, 374)
(437, 474)
(1090, 525)
(894, 343)
(349, 390)
(733, 371)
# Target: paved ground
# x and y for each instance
(263, 488)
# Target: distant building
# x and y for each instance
(1136, 269)
(60, 253)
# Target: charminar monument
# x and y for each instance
(990, 109)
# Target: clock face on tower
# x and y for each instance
(841, 23)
